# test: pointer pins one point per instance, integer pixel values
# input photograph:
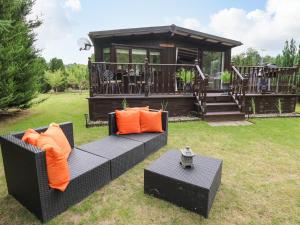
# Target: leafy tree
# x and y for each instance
(56, 64)
(43, 66)
(293, 51)
(250, 58)
(54, 79)
(286, 54)
(18, 56)
(278, 60)
(297, 57)
(77, 76)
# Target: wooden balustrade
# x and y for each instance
(201, 89)
(238, 88)
(141, 78)
(280, 80)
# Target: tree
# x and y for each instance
(54, 79)
(77, 76)
(293, 52)
(18, 56)
(43, 66)
(278, 60)
(58, 64)
(297, 58)
(250, 58)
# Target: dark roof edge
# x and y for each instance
(160, 29)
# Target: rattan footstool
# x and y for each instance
(193, 189)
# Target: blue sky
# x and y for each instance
(263, 25)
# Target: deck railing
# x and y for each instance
(263, 80)
(201, 89)
(141, 78)
(238, 88)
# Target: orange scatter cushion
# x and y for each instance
(146, 108)
(57, 164)
(150, 121)
(128, 122)
(30, 136)
(56, 133)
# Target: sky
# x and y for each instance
(261, 24)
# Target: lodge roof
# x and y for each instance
(172, 29)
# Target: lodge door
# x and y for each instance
(213, 66)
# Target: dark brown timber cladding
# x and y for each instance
(270, 103)
(100, 106)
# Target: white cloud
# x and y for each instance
(262, 29)
(56, 37)
(73, 4)
(265, 29)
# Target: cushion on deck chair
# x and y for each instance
(152, 141)
(128, 122)
(123, 153)
(150, 121)
(56, 133)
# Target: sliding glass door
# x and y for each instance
(213, 66)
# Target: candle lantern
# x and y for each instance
(187, 155)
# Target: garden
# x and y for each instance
(260, 177)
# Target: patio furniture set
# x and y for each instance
(95, 164)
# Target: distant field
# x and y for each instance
(260, 181)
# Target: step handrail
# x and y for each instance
(201, 90)
(238, 88)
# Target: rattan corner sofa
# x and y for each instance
(92, 165)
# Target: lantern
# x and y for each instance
(186, 157)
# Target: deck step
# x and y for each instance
(221, 106)
(224, 116)
(218, 97)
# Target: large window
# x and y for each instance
(122, 55)
(139, 55)
(154, 57)
(132, 55)
(106, 54)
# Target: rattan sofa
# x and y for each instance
(91, 165)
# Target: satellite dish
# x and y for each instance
(84, 44)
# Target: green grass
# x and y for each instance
(260, 179)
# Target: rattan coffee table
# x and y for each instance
(193, 189)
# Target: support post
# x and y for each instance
(147, 77)
(90, 76)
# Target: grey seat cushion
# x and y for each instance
(80, 162)
(123, 153)
(110, 147)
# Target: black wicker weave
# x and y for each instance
(122, 153)
(27, 180)
(91, 166)
(193, 189)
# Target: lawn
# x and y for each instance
(260, 179)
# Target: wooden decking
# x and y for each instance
(219, 106)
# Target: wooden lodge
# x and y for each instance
(182, 70)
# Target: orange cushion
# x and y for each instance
(57, 164)
(56, 133)
(138, 108)
(150, 121)
(30, 136)
(128, 122)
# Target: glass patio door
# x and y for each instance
(213, 66)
